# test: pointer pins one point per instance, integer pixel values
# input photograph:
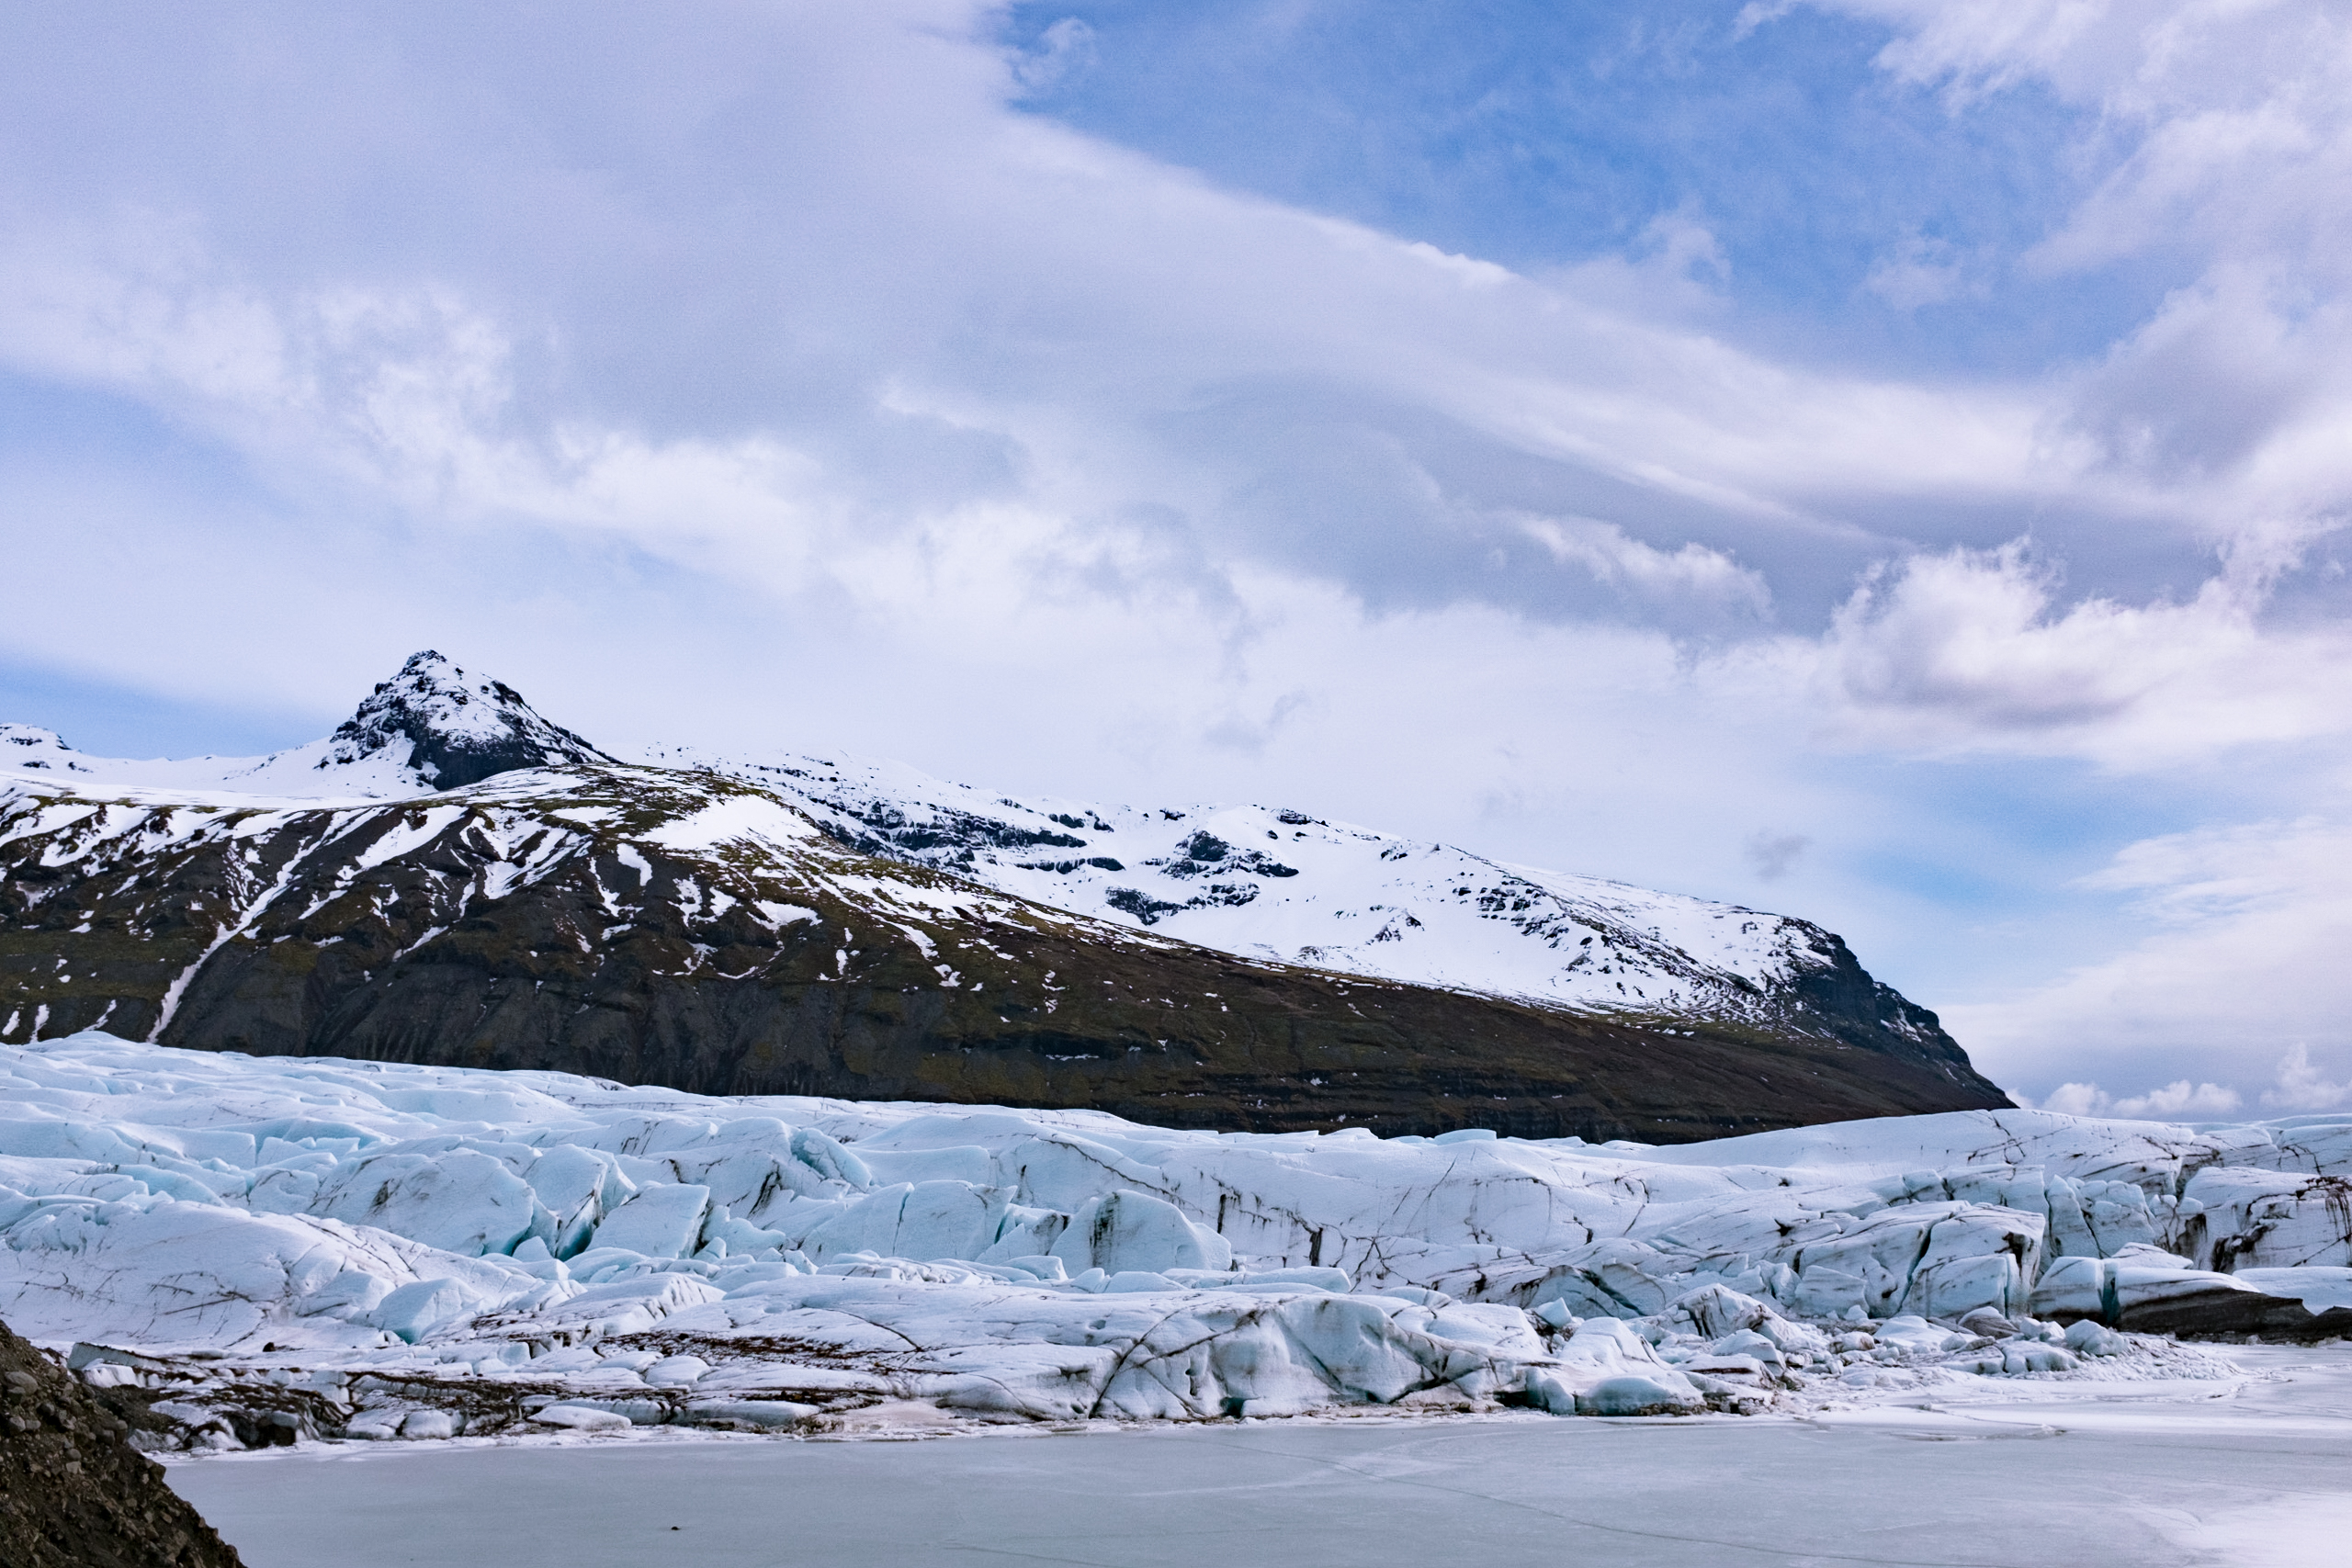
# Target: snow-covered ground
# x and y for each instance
(292, 1247)
(2252, 1470)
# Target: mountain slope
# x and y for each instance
(813, 926)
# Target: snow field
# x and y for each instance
(290, 1247)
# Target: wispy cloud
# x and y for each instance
(1774, 856)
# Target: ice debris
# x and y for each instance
(280, 1249)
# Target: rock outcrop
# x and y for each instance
(457, 729)
(73, 1492)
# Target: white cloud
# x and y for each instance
(2172, 1100)
(1975, 651)
(1920, 271)
(993, 309)
(2241, 932)
(2236, 399)
(2217, 136)
(1643, 570)
(2302, 1086)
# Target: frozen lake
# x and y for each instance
(2005, 1476)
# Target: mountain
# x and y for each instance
(452, 878)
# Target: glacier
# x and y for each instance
(281, 1249)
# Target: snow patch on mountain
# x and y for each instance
(739, 819)
(40, 757)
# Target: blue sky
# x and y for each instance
(1544, 136)
(1612, 437)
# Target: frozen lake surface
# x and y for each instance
(2256, 1474)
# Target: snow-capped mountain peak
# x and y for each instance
(452, 728)
(1283, 887)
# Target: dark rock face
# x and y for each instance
(499, 933)
(2227, 1315)
(1852, 1006)
(73, 1492)
(461, 730)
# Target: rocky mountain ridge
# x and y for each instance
(453, 878)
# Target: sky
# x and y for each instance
(1886, 462)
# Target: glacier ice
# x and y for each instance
(409, 1253)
